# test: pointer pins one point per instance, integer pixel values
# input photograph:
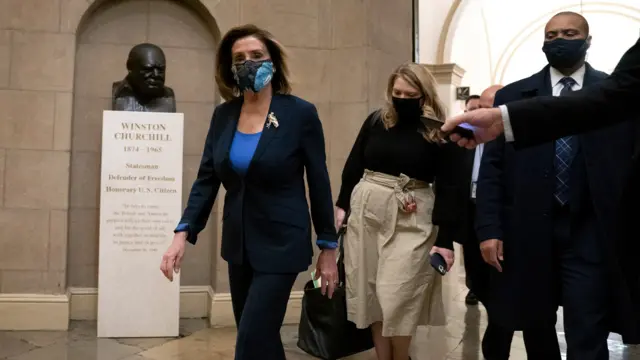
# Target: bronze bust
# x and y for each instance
(143, 88)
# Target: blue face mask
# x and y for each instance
(253, 75)
(563, 53)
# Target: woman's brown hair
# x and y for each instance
(419, 77)
(224, 77)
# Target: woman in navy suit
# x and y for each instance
(260, 143)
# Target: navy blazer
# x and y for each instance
(515, 200)
(266, 216)
(613, 101)
(467, 209)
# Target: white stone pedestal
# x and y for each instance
(140, 203)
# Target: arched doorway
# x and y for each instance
(188, 34)
(500, 41)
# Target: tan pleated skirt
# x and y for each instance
(388, 274)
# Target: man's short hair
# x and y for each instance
(583, 20)
(471, 97)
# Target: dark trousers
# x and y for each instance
(583, 286)
(541, 344)
(496, 342)
(476, 270)
(259, 305)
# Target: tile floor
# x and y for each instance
(459, 340)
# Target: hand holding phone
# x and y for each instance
(464, 130)
(438, 263)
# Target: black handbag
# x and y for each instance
(324, 331)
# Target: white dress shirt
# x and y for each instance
(476, 169)
(556, 87)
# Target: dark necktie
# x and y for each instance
(564, 153)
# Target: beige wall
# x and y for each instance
(435, 18)
(103, 42)
(57, 62)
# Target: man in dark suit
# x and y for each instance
(469, 242)
(538, 120)
(477, 271)
(496, 342)
(552, 207)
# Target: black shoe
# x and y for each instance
(471, 299)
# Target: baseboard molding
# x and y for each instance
(221, 312)
(195, 302)
(53, 312)
(34, 312)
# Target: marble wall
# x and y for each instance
(58, 59)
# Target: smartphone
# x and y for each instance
(438, 263)
(464, 130)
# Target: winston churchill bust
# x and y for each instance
(143, 88)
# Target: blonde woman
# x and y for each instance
(402, 185)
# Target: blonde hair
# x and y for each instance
(419, 77)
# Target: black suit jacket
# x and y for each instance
(611, 102)
(543, 119)
(515, 203)
(468, 210)
(266, 216)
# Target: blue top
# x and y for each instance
(279, 247)
(243, 147)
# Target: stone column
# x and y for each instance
(449, 77)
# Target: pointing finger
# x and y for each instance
(451, 123)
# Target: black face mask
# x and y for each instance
(407, 109)
(563, 53)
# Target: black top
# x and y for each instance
(402, 149)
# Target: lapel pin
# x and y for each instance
(272, 120)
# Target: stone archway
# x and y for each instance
(494, 51)
(188, 33)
